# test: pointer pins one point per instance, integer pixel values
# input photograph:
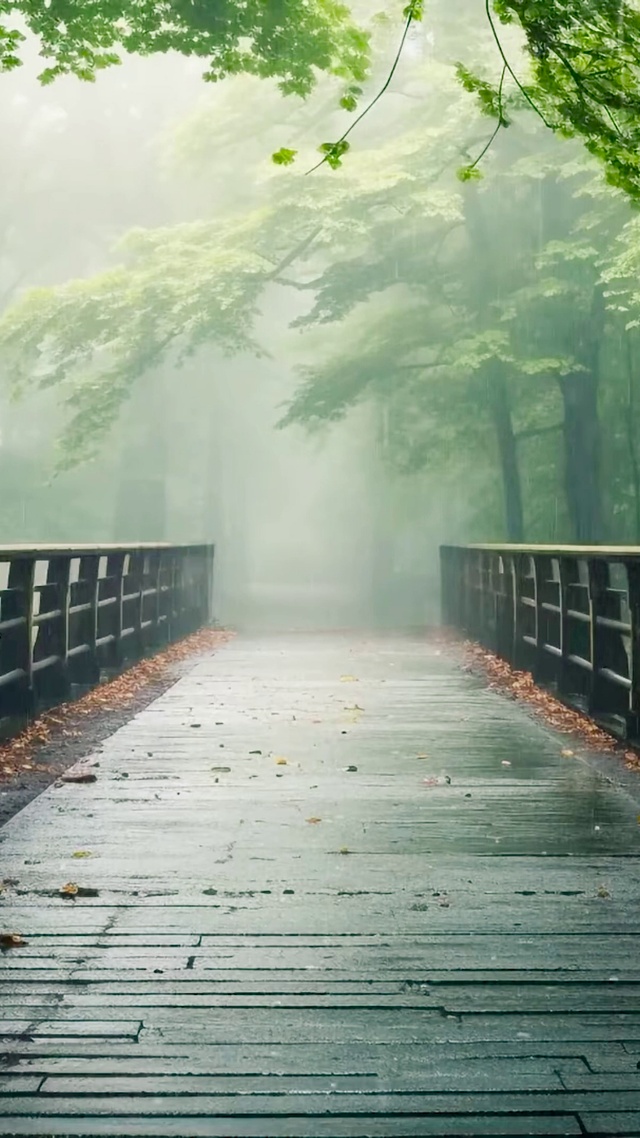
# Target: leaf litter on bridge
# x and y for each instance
(521, 686)
(54, 741)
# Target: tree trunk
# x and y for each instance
(487, 290)
(582, 447)
(631, 435)
(508, 455)
(582, 433)
(141, 493)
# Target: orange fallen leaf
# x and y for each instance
(281, 762)
(12, 940)
(314, 821)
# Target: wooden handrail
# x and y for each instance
(70, 613)
(568, 614)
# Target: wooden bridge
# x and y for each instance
(328, 886)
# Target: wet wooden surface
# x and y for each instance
(343, 890)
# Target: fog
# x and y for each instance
(432, 322)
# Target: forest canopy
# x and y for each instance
(285, 39)
(489, 324)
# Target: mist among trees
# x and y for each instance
(227, 314)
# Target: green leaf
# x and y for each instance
(333, 152)
(414, 10)
(349, 101)
(469, 174)
(284, 156)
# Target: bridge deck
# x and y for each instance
(469, 966)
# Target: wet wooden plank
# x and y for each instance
(363, 1103)
(377, 1126)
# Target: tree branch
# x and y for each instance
(294, 253)
(535, 432)
(302, 286)
(409, 20)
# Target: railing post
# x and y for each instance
(90, 574)
(518, 656)
(159, 625)
(136, 572)
(598, 580)
(21, 582)
(565, 647)
(53, 634)
(114, 621)
(633, 596)
(445, 595)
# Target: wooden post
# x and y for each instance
(598, 580)
(518, 657)
(633, 595)
(89, 574)
(21, 580)
(53, 634)
(136, 575)
(565, 624)
(112, 624)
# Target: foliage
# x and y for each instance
(484, 324)
(284, 39)
(584, 75)
(175, 290)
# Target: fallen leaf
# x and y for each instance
(345, 850)
(69, 890)
(82, 853)
(422, 756)
(12, 940)
(282, 762)
(506, 763)
(79, 774)
(567, 753)
(314, 821)
(349, 679)
(603, 892)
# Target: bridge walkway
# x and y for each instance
(327, 886)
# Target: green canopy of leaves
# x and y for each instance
(283, 39)
(583, 75)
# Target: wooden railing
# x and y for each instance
(569, 615)
(68, 614)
